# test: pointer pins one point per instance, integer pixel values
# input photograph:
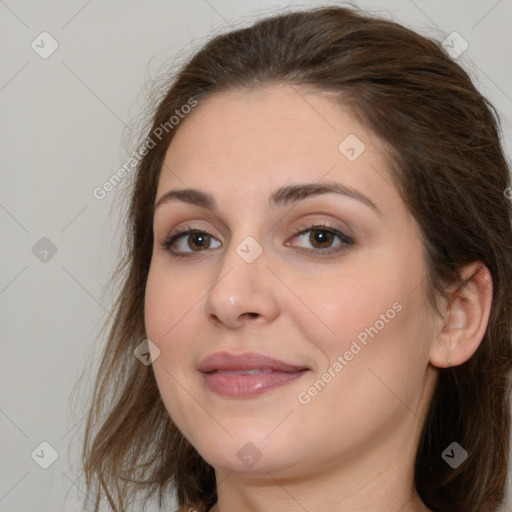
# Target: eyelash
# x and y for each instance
(346, 241)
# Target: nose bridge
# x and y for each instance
(243, 263)
(246, 247)
(241, 282)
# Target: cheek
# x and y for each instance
(175, 319)
(158, 305)
(374, 363)
(171, 324)
(369, 313)
(169, 299)
(335, 308)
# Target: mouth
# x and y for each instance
(254, 371)
(248, 374)
(247, 361)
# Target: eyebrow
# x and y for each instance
(288, 194)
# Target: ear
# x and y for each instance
(464, 319)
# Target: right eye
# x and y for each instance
(188, 238)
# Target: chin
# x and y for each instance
(258, 455)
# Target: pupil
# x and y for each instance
(201, 238)
(320, 237)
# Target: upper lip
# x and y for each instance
(246, 361)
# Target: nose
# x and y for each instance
(242, 291)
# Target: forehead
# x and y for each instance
(253, 141)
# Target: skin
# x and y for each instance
(352, 446)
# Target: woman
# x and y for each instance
(342, 341)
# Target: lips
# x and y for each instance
(247, 375)
(227, 362)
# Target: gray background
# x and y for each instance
(65, 123)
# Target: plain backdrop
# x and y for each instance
(66, 118)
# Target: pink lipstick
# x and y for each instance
(248, 374)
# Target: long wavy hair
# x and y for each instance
(443, 140)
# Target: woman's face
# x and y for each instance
(332, 284)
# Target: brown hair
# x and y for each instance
(449, 167)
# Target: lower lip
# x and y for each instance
(248, 385)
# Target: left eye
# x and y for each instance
(321, 237)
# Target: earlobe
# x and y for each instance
(462, 327)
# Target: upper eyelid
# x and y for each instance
(303, 224)
(297, 231)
